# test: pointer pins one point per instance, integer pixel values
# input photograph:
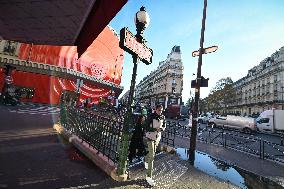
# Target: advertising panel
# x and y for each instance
(103, 59)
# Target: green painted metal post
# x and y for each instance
(128, 124)
(123, 149)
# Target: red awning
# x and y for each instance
(53, 22)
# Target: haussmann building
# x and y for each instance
(164, 85)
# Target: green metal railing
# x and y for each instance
(102, 129)
(234, 140)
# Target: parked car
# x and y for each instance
(244, 124)
(203, 118)
(185, 122)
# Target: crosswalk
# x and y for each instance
(41, 110)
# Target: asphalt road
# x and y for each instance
(32, 155)
(277, 139)
(250, 143)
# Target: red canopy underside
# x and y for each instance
(64, 22)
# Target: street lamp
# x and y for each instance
(141, 21)
(197, 91)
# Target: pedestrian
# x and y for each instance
(137, 147)
(154, 126)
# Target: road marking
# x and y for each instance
(44, 110)
(35, 180)
(20, 134)
(84, 186)
(26, 147)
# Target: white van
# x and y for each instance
(271, 121)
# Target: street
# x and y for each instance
(32, 155)
(263, 145)
(255, 134)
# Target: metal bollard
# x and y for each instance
(263, 150)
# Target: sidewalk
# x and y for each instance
(169, 172)
(174, 170)
(264, 168)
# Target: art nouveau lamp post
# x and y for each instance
(135, 45)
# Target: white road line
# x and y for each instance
(84, 186)
(37, 111)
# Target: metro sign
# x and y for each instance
(129, 43)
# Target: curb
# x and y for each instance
(236, 166)
(168, 149)
(98, 159)
(108, 166)
(247, 171)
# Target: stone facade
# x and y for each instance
(262, 88)
(163, 85)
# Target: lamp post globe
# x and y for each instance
(142, 17)
(141, 20)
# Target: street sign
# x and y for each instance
(129, 43)
(205, 51)
(204, 82)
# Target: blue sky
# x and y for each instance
(246, 31)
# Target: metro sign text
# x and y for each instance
(129, 43)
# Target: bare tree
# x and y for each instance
(221, 95)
